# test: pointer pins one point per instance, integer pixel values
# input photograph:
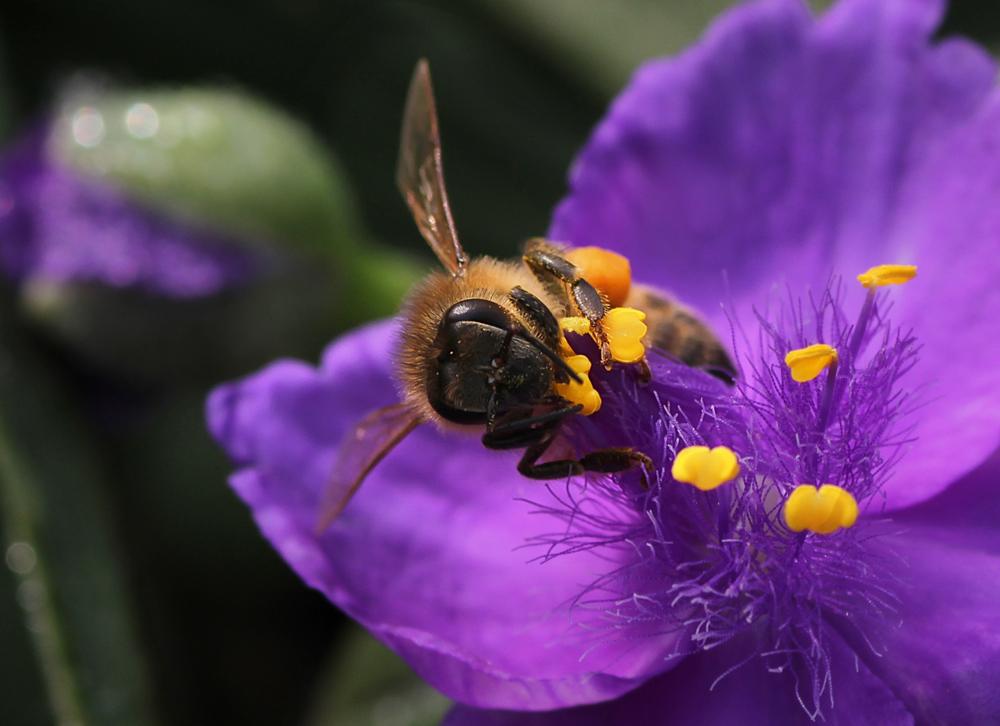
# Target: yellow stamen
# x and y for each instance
(807, 363)
(582, 393)
(625, 330)
(823, 510)
(705, 468)
(608, 271)
(882, 275)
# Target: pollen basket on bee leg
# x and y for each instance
(623, 328)
(609, 272)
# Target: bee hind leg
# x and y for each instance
(553, 269)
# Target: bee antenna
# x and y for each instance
(552, 356)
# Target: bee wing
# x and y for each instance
(420, 175)
(374, 437)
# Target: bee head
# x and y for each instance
(484, 362)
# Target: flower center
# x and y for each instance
(780, 466)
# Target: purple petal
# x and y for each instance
(782, 149)
(969, 505)
(949, 220)
(749, 696)
(426, 555)
(942, 658)
(57, 226)
(769, 149)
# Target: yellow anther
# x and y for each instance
(705, 468)
(823, 510)
(608, 271)
(625, 330)
(882, 275)
(807, 363)
(582, 393)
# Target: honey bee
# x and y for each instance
(480, 347)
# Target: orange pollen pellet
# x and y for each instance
(608, 271)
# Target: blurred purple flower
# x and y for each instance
(58, 225)
(776, 152)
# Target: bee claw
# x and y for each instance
(606, 359)
(644, 373)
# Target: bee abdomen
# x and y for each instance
(673, 329)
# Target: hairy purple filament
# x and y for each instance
(723, 563)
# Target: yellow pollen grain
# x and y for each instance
(882, 275)
(582, 393)
(807, 363)
(625, 330)
(623, 327)
(574, 324)
(823, 510)
(705, 468)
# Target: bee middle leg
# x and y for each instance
(603, 461)
(520, 429)
(553, 270)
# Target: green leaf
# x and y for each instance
(215, 158)
(59, 545)
(366, 684)
(22, 689)
(212, 157)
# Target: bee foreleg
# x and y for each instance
(512, 439)
(523, 419)
(536, 311)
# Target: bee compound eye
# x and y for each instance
(477, 310)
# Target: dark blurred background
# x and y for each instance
(221, 631)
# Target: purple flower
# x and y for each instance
(178, 193)
(58, 224)
(743, 176)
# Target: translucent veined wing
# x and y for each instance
(420, 175)
(374, 437)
